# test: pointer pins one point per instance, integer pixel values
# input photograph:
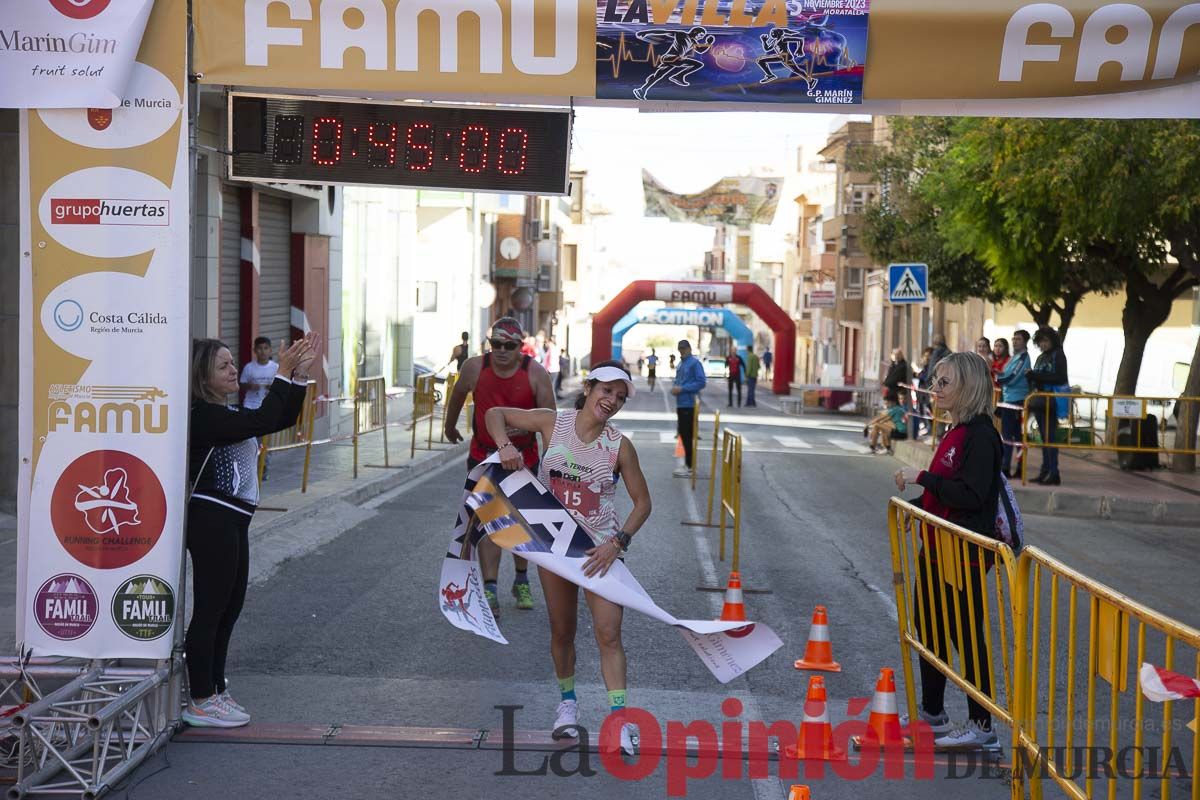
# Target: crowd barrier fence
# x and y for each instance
(731, 493)
(293, 438)
(1050, 700)
(1111, 418)
(712, 469)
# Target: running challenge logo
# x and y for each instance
(73, 211)
(108, 509)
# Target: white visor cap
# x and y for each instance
(606, 374)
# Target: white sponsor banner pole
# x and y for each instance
(105, 337)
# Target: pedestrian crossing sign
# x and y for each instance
(908, 283)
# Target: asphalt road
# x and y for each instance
(350, 634)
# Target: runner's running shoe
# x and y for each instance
(566, 722)
(524, 596)
(938, 724)
(630, 739)
(226, 698)
(970, 736)
(492, 601)
(213, 713)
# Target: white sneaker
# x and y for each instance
(226, 698)
(682, 472)
(566, 721)
(967, 737)
(630, 739)
(213, 713)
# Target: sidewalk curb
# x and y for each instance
(1074, 504)
(358, 493)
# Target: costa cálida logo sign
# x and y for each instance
(517, 46)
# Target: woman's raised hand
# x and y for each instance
(292, 355)
(303, 366)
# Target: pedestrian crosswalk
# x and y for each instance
(762, 442)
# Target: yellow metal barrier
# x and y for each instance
(424, 407)
(370, 413)
(1050, 716)
(1099, 428)
(712, 473)
(945, 585)
(297, 436)
(731, 492)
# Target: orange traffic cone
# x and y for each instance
(818, 654)
(816, 734)
(734, 609)
(884, 721)
(799, 792)
(679, 447)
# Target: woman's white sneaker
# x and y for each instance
(566, 721)
(226, 698)
(212, 712)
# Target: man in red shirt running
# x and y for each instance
(506, 378)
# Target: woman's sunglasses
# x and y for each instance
(504, 344)
(941, 383)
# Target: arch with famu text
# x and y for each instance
(704, 293)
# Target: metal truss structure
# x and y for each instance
(81, 738)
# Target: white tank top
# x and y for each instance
(581, 475)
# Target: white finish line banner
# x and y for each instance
(522, 516)
(104, 361)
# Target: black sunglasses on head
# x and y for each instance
(503, 344)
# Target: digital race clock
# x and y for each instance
(288, 139)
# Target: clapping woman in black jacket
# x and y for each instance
(222, 471)
(1049, 373)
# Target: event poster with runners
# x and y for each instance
(758, 51)
(104, 357)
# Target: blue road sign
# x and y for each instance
(908, 283)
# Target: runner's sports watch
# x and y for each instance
(623, 539)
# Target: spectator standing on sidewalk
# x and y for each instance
(222, 455)
(735, 367)
(898, 373)
(1000, 358)
(256, 378)
(689, 382)
(768, 358)
(1014, 388)
(1049, 374)
(752, 367)
(922, 404)
(962, 485)
(651, 368)
(503, 377)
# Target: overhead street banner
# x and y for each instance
(805, 51)
(515, 47)
(68, 53)
(729, 201)
(104, 363)
(994, 57)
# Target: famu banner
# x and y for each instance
(104, 362)
(729, 201)
(511, 47)
(522, 516)
(752, 51)
(68, 53)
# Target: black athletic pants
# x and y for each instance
(217, 539)
(933, 682)
(686, 417)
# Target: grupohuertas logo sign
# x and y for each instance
(144, 607)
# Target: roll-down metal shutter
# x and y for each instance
(275, 257)
(230, 290)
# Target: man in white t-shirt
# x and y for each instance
(258, 374)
